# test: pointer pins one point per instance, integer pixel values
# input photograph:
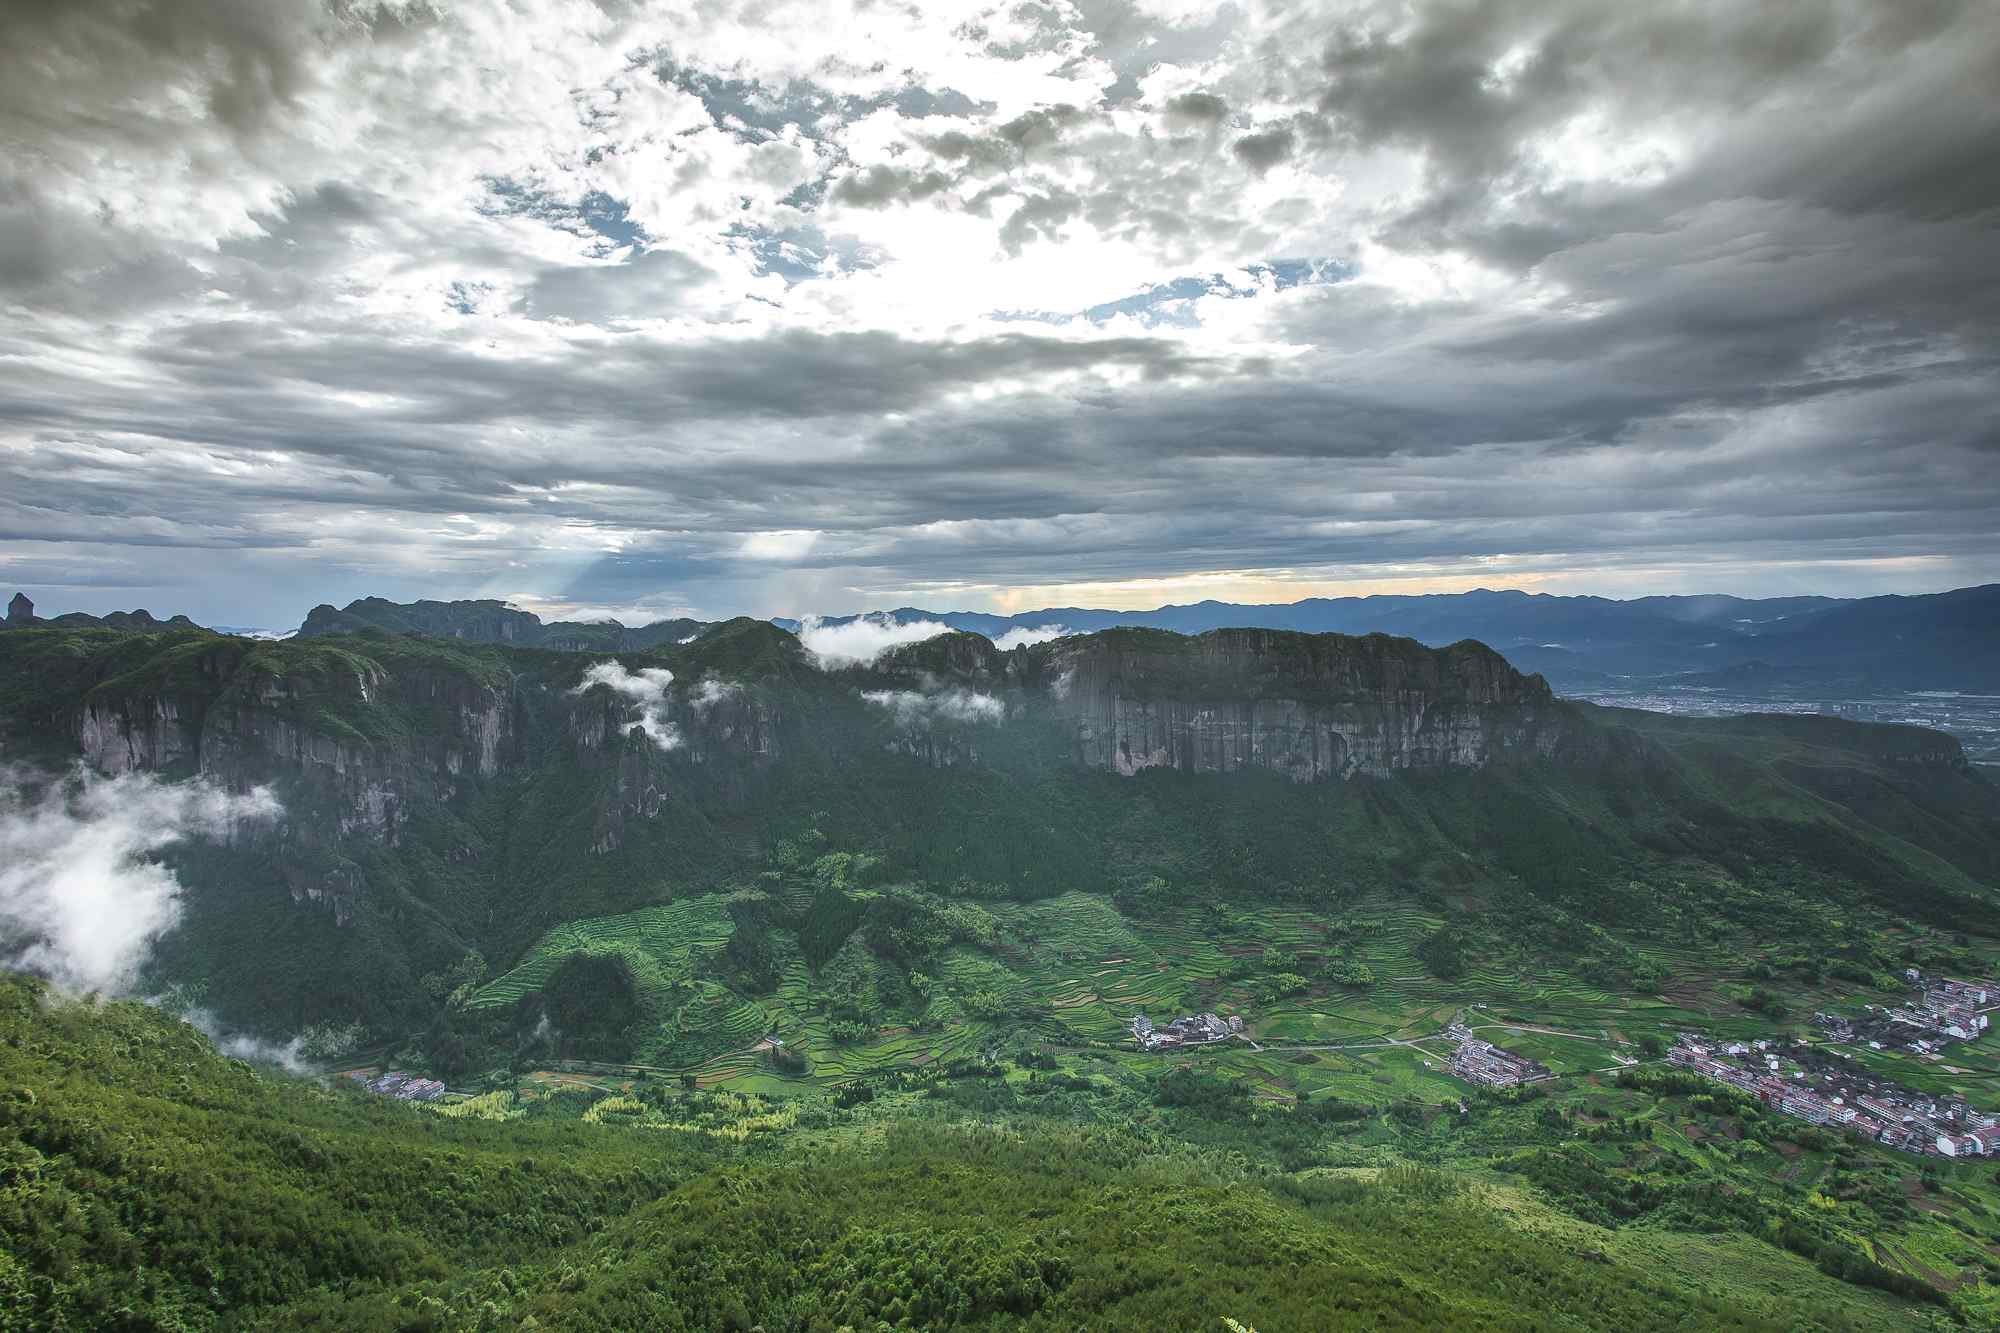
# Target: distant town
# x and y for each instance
(1827, 1088)
(1943, 1011)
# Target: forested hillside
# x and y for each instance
(146, 1182)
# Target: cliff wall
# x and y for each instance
(1310, 706)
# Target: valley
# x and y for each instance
(822, 666)
(722, 916)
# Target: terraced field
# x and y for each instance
(1071, 971)
(674, 935)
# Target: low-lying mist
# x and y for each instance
(83, 895)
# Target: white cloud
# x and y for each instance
(861, 641)
(781, 546)
(288, 1055)
(80, 892)
(1024, 636)
(913, 708)
(647, 689)
(711, 692)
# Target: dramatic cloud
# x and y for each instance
(647, 689)
(914, 708)
(82, 895)
(817, 305)
(1026, 635)
(863, 639)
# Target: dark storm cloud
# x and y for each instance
(1682, 286)
(879, 185)
(1265, 149)
(1196, 109)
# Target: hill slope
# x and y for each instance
(147, 1182)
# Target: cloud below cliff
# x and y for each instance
(863, 640)
(915, 708)
(83, 896)
(1024, 636)
(646, 688)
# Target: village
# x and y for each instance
(1791, 1077)
(1942, 1011)
(1482, 1062)
(1187, 1030)
(1826, 1088)
(403, 1087)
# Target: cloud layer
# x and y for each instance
(82, 897)
(776, 308)
(914, 708)
(1025, 636)
(646, 688)
(861, 641)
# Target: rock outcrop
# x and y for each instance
(360, 738)
(1309, 706)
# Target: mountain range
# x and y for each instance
(726, 924)
(1948, 640)
(1936, 641)
(444, 796)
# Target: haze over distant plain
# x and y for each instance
(779, 308)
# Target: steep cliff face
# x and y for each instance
(717, 732)
(144, 734)
(270, 728)
(363, 738)
(1310, 706)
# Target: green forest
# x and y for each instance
(147, 1182)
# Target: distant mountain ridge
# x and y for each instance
(21, 615)
(443, 795)
(491, 621)
(1948, 640)
(1934, 641)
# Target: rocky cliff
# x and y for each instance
(1310, 706)
(341, 727)
(358, 729)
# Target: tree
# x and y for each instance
(1350, 972)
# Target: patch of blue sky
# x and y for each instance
(800, 254)
(466, 297)
(756, 109)
(1173, 303)
(596, 214)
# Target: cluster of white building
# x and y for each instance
(1943, 1011)
(1187, 1030)
(1478, 1061)
(1913, 1123)
(401, 1086)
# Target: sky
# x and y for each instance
(772, 307)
